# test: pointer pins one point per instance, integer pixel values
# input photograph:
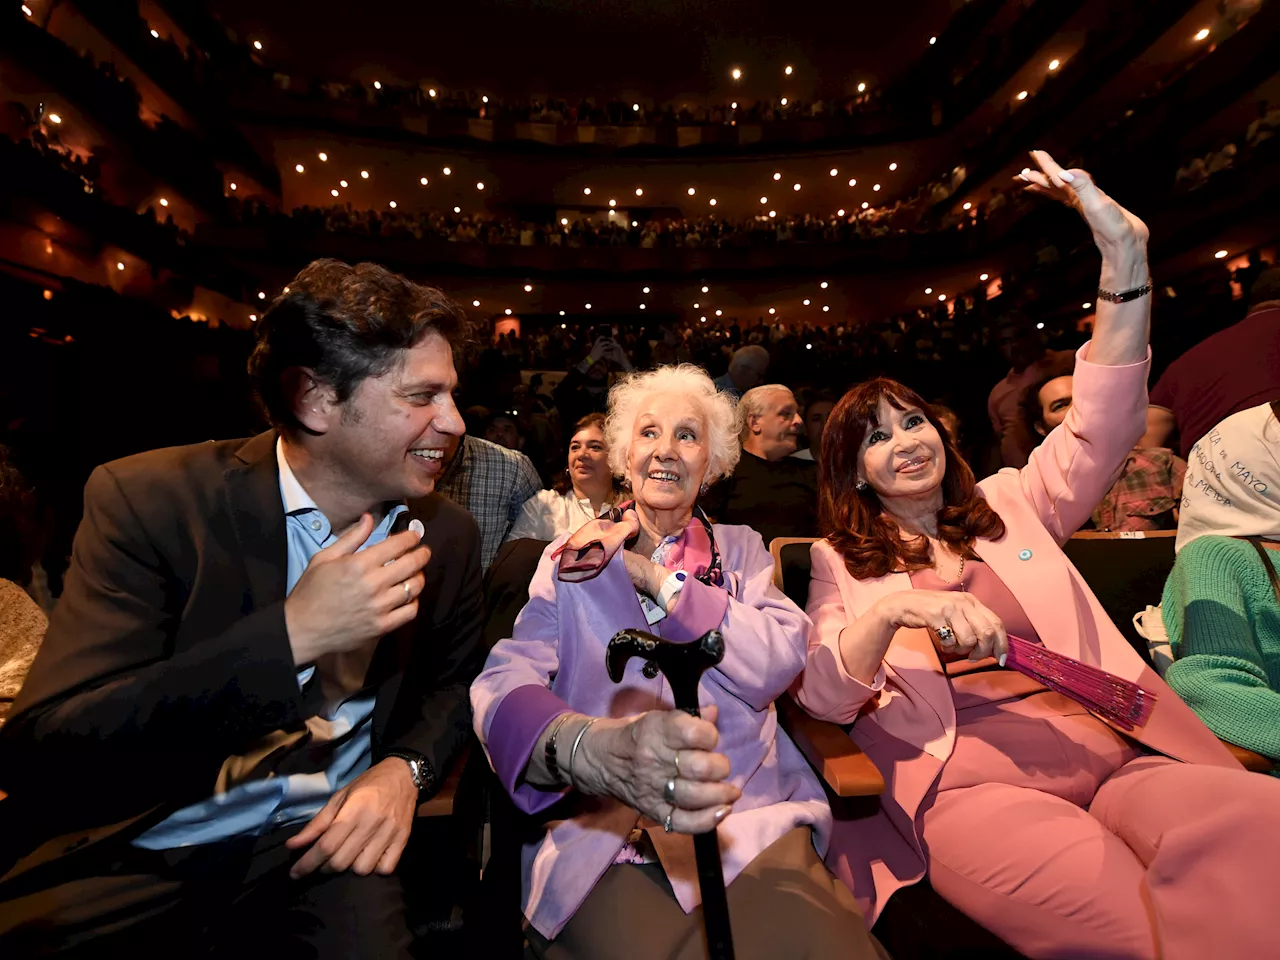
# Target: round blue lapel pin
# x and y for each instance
(1024, 554)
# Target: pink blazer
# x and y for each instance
(905, 720)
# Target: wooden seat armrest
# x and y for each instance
(440, 804)
(847, 771)
(1255, 762)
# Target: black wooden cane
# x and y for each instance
(683, 665)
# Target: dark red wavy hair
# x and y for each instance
(856, 523)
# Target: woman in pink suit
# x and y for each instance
(1064, 835)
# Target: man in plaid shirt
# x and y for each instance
(1146, 494)
(492, 483)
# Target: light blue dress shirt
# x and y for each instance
(255, 807)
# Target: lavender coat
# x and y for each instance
(556, 662)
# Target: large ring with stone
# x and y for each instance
(669, 791)
(666, 824)
(947, 635)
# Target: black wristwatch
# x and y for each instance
(424, 775)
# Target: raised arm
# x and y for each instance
(1072, 470)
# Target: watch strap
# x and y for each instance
(424, 774)
(1126, 295)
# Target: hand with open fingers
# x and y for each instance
(961, 622)
(364, 826)
(1116, 231)
(635, 761)
(345, 598)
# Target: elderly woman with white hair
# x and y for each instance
(630, 778)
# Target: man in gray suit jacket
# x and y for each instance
(261, 659)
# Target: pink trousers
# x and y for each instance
(1052, 832)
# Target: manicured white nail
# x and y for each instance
(1025, 172)
(1003, 657)
(416, 526)
(1067, 176)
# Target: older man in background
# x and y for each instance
(769, 490)
(747, 368)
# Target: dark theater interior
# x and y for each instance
(591, 481)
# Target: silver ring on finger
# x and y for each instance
(666, 824)
(677, 763)
(408, 594)
(669, 791)
(947, 635)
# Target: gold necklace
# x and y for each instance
(959, 573)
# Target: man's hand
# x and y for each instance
(344, 598)
(363, 827)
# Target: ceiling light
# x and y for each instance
(299, 167)
(691, 191)
(257, 44)
(586, 191)
(928, 289)
(983, 277)
(823, 284)
(795, 186)
(1022, 94)
(564, 221)
(704, 289)
(262, 295)
(772, 311)
(840, 212)
(806, 303)
(342, 184)
(777, 176)
(773, 213)
(967, 206)
(457, 209)
(423, 181)
(719, 313)
(639, 191)
(485, 98)
(55, 118)
(377, 84)
(942, 296)
(862, 88)
(645, 290)
(703, 319)
(712, 201)
(763, 201)
(364, 174)
(562, 325)
(834, 171)
(324, 157)
(233, 186)
(787, 71)
(507, 311)
(164, 202)
(613, 203)
(736, 73)
(642, 306)
(697, 306)
(447, 171)
(1086, 305)
(475, 303)
(334, 192)
(1203, 34)
(876, 187)
(391, 204)
(1053, 65)
(479, 185)
(1221, 254)
(853, 183)
(784, 101)
(431, 92)
(253, 318)
(865, 204)
(588, 306)
(892, 167)
(119, 265)
(732, 106)
(808, 346)
(635, 107)
(932, 41)
(826, 309)
(154, 32)
(528, 288)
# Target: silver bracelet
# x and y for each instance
(573, 751)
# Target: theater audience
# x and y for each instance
(583, 489)
(504, 430)
(491, 483)
(770, 491)
(1221, 603)
(1022, 347)
(950, 421)
(634, 777)
(1061, 834)
(1145, 496)
(747, 368)
(1233, 370)
(260, 661)
(584, 388)
(22, 622)
(816, 412)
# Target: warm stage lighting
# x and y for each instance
(475, 303)
(1039, 326)
(48, 294)
(334, 192)
(447, 171)
(377, 84)
(983, 277)
(967, 205)
(391, 204)
(772, 214)
(795, 186)
(1022, 95)
(299, 167)
(691, 191)
(865, 204)
(875, 187)
(324, 157)
(119, 265)
(824, 284)
(588, 306)
(423, 181)
(840, 212)
(457, 209)
(257, 44)
(1220, 255)
(586, 191)
(635, 107)
(826, 309)
(719, 313)
(853, 183)
(862, 88)
(1054, 65)
(736, 73)
(642, 306)
(232, 185)
(645, 290)
(613, 203)
(479, 185)
(253, 318)
(835, 172)
(734, 105)
(507, 311)
(764, 200)
(431, 92)
(784, 101)
(155, 34)
(942, 296)
(806, 303)
(164, 202)
(928, 289)
(55, 118)
(772, 311)
(712, 201)
(343, 184)
(788, 71)
(639, 191)
(893, 167)
(564, 221)
(932, 41)
(485, 98)
(364, 174)
(262, 295)
(705, 289)
(777, 176)
(1203, 34)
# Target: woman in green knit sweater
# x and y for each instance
(1221, 607)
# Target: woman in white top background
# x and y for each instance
(578, 495)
